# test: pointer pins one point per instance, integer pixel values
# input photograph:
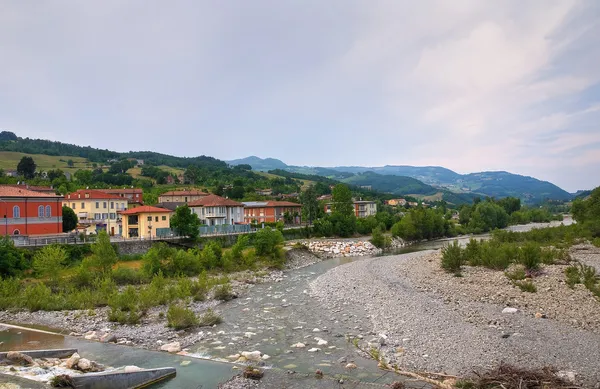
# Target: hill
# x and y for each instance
(259, 163)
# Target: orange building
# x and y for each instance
(271, 211)
(25, 212)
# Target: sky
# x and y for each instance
(470, 85)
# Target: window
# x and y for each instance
(113, 216)
(104, 204)
(16, 212)
(112, 205)
(164, 218)
(41, 211)
(149, 218)
(16, 232)
(48, 211)
(97, 216)
(82, 205)
(74, 205)
(185, 199)
(104, 216)
(156, 219)
(97, 204)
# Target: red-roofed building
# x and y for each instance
(272, 211)
(97, 210)
(145, 221)
(181, 196)
(215, 210)
(134, 196)
(26, 212)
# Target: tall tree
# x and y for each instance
(12, 262)
(103, 253)
(49, 261)
(342, 200)
(310, 205)
(185, 222)
(69, 219)
(26, 167)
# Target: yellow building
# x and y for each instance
(96, 210)
(146, 221)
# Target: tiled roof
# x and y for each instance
(144, 209)
(185, 193)
(15, 191)
(121, 190)
(214, 201)
(92, 194)
(270, 204)
(170, 205)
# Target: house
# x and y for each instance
(170, 206)
(272, 211)
(97, 210)
(264, 192)
(134, 196)
(362, 208)
(215, 210)
(42, 189)
(11, 173)
(145, 222)
(26, 212)
(181, 196)
(396, 202)
(326, 197)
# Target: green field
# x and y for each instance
(10, 159)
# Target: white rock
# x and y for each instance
(72, 361)
(131, 369)
(91, 335)
(321, 342)
(249, 334)
(314, 350)
(316, 330)
(566, 375)
(298, 345)
(84, 364)
(510, 310)
(174, 347)
(252, 355)
(265, 357)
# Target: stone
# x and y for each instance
(265, 357)
(174, 347)
(133, 368)
(510, 310)
(72, 361)
(19, 358)
(108, 338)
(298, 345)
(84, 364)
(314, 350)
(321, 342)
(351, 366)
(539, 315)
(566, 375)
(91, 335)
(252, 355)
(316, 330)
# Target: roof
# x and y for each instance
(214, 201)
(267, 204)
(122, 190)
(185, 193)
(145, 209)
(92, 194)
(170, 205)
(15, 191)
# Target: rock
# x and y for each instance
(265, 357)
(249, 334)
(72, 361)
(343, 360)
(321, 342)
(252, 355)
(351, 366)
(539, 315)
(108, 338)
(234, 356)
(314, 350)
(132, 368)
(174, 347)
(298, 345)
(566, 375)
(91, 335)
(510, 310)
(316, 330)
(19, 358)
(85, 365)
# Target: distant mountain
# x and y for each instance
(259, 164)
(493, 184)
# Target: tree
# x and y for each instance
(267, 241)
(69, 219)
(12, 262)
(103, 253)
(7, 135)
(342, 200)
(26, 167)
(310, 205)
(185, 222)
(49, 261)
(70, 163)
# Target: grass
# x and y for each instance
(452, 258)
(209, 318)
(10, 159)
(223, 292)
(517, 274)
(510, 377)
(526, 286)
(181, 318)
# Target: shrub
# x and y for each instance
(530, 256)
(516, 275)
(124, 301)
(589, 276)
(495, 256)
(209, 318)
(180, 318)
(526, 286)
(452, 259)
(223, 292)
(472, 252)
(38, 297)
(379, 239)
(124, 317)
(49, 261)
(596, 242)
(572, 274)
(127, 276)
(267, 241)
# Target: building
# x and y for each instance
(362, 208)
(264, 192)
(181, 196)
(134, 196)
(97, 210)
(396, 202)
(272, 211)
(215, 210)
(326, 197)
(42, 189)
(145, 222)
(26, 212)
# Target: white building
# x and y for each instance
(215, 210)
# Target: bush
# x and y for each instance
(572, 274)
(379, 239)
(209, 318)
(495, 256)
(472, 253)
(223, 292)
(127, 276)
(125, 301)
(181, 318)
(516, 275)
(530, 256)
(38, 297)
(526, 286)
(596, 242)
(267, 241)
(452, 259)
(124, 317)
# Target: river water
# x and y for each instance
(270, 318)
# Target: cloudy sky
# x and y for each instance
(469, 85)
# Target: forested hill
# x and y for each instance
(10, 142)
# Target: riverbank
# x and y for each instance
(429, 320)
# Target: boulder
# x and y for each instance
(351, 366)
(173, 347)
(87, 366)
(108, 338)
(72, 361)
(510, 310)
(252, 355)
(314, 350)
(91, 335)
(19, 358)
(298, 345)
